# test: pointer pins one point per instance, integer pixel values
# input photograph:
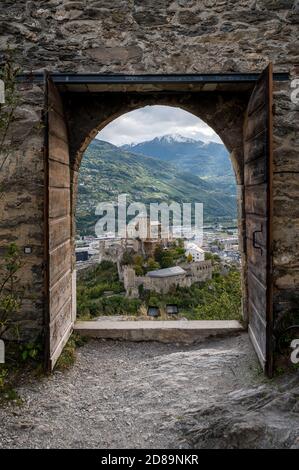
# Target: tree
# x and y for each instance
(213, 257)
(167, 259)
(10, 292)
(154, 301)
(127, 258)
(189, 258)
(179, 251)
(158, 254)
(152, 264)
(138, 260)
(180, 243)
(138, 270)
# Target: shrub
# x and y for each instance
(10, 292)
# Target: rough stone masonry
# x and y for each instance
(146, 36)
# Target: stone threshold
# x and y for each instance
(172, 331)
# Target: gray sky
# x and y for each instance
(154, 121)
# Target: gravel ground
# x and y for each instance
(128, 395)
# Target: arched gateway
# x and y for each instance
(60, 113)
(239, 109)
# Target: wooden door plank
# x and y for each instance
(258, 212)
(59, 236)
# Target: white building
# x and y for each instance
(231, 243)
(195, 251)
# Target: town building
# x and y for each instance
(195, 251)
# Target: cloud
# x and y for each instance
(154, 121)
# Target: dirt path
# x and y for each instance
(128, 395)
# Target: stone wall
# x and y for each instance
(22, 205)
(147, 36)
(195, 272)
(200, 270)
(150, 36)
(285, 205)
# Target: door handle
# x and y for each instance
(255, 245)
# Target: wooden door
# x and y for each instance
(258, 213)
(58, 244)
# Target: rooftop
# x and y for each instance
(193, 246)
(167, 272)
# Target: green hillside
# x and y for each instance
(107, 171)
(208, 160)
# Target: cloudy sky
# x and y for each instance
(154, 121)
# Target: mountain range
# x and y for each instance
(164, 169)
(209, 160)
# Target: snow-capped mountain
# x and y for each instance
(167, 138)
(204, 159)
(171, 138)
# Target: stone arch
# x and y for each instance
(79, 113)
(224, 112)
(88, 114)
(201, 40)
